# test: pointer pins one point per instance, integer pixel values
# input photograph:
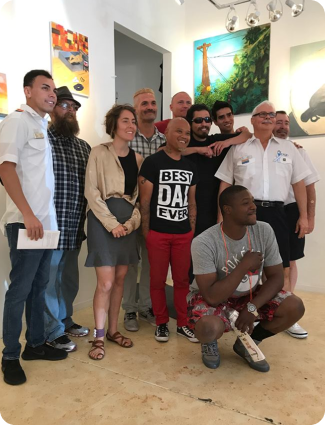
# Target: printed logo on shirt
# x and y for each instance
(244, 286)
(281, 157)
(173, 194)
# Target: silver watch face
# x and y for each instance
(251, 307)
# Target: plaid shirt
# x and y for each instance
(70, 157)
(142, 146)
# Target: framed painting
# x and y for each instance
(233, 67)
(70, 62)
(3, 95)
(307, 89)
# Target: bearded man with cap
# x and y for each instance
(70, 157)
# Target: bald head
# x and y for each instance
(177, 134)
(180, 104)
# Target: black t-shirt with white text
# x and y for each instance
(171, 181)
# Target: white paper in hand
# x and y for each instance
(50, 240)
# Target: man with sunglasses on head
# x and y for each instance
(268, 166)
(201, 150)
(70, 157)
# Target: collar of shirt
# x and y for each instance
(34, 114)
(155, 134)
(253, 138)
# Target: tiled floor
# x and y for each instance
(154, 383)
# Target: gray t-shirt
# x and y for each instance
(209, 254)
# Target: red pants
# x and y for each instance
(165, 249)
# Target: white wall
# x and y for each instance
(136, 66)
(288, 32)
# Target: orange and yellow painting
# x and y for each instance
(3, 95)
(70, 65)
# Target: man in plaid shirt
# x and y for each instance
(70, 157)
(146, 142)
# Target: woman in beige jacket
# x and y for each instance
(111, 190)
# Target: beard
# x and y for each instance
(66, 125)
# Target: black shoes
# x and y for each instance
(13, 373)
(43, 352)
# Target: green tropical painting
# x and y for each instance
(233, 67)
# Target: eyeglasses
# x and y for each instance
(199, 120)
(265, 114)
(66, 105)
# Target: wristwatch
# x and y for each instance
(252, 309)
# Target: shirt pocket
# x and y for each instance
(283, 167)
(247, 169)
(37, 149)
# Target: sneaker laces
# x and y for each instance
(131, 316)
(75, 326)
(62, 340)
(163, 328)
(150, 312)
(210, 349)
(188, 331)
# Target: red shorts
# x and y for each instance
(198, 308)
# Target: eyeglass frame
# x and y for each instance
(67, 105)
(265, 114)
(207, 120)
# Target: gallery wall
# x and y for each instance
(24, 25)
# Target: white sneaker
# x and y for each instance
(296, 331)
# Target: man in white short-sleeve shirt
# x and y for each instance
(268, 167)
(297, 245)
(26, 171)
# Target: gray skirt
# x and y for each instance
(103, 248)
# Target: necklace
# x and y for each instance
(227, 257)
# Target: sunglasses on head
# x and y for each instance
(199, 120)
(66, 105)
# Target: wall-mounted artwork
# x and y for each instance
(70, 64)
(233, 67)
(3, 95)
(307, 91)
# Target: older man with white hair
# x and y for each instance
(268, 166)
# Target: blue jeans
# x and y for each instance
(61, 292)
(29, 276)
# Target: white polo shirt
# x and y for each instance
(24, 141)
(312, 178)
(267, 174)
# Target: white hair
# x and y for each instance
(265, 102)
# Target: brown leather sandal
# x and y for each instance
(119, 339)
(97, 344)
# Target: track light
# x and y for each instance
(232, 20)
(253, 18)
(296, 9)
(180, 2)
(275, 12)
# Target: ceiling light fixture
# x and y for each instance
(180, 2)
(252, 18)
(275, 10)
(232, 20)
(296, 9)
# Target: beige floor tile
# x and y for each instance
(161, 383)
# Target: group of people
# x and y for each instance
(146, 194)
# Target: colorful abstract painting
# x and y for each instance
(233, 67)
(307, 91)
(3, 95)
(70, 63)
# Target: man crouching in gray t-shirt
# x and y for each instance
(228, 261)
